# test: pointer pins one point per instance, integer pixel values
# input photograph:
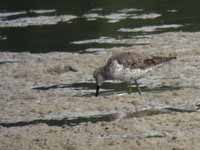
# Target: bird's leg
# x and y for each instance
(137, 85)
(97, 90)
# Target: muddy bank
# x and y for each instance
(56, 86)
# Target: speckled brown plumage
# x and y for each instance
(134, 60)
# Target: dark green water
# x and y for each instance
(95, 23)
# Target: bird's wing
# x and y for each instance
(156, 60)
(134, 60)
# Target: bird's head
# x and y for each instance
(99, 78)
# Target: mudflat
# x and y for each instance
(47, 101)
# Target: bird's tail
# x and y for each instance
(156, 60)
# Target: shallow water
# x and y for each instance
(90, 26)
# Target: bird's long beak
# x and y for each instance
(97, 90)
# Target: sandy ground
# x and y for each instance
(47, 101)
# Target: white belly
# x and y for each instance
(126, 74)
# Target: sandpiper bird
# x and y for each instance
(127, 67)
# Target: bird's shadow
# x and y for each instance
(108, 88)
